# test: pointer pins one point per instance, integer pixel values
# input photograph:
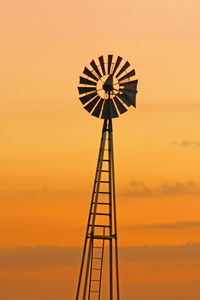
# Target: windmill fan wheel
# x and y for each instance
(107, 88)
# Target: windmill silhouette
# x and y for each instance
(106, 91)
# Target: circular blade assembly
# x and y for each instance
(106, 88)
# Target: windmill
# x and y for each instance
(106, 91)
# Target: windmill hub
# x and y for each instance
(108, 85)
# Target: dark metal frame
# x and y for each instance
(100, 209)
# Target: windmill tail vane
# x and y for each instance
(106, 91)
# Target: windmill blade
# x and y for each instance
(119, 59)
(110, 57)
(109, 110)
(93, 64)
(113, 111)
(86, 89)
(90, 74)
(125, 66)
(97, 110)
(125, 99)
(106, 110)
(121, 108)
(134, 100)
(88, 97)
(87, 81)
(101, 60)
(129, 74)
(92, 104)
(131, 95)
(130, 84)
(128, 92)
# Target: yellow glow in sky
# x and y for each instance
(49, 143)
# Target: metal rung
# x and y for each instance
(102, 192)
(100, 214)
(101, 237)
(104, 171)
(94, 291)
(103, 181)
(95, 279)
(98, 247)
(106, 159)
(103, 203)
(100, 225)
(96, 269)
(97, 258)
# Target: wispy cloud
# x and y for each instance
(52, 256)
(140, 189)
(146, 253)
(38, 257)
(173, 226)
(186, 143)
(178, 188)
(37, 194)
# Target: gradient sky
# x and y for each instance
(49, 146)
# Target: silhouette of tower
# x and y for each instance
(107, 92)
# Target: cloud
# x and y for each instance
(38, 257)
(52, 256)
(38, 194)
(187, 252)
(178, 188)
(140, 189)
(181, 289)
(186, 143)
(173, 226)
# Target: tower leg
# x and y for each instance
(111, 204)
(114, 212)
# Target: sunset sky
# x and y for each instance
(49, 146)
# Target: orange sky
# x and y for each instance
(49, 144)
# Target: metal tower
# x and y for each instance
(105, 96)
